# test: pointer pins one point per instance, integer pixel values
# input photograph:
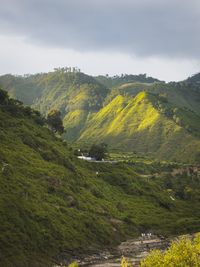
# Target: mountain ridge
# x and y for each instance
(83, 99)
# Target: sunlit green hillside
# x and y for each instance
(129, 112)
(146, 124)
(75, 94)
(53, 205)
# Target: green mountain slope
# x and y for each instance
(182, 94)
(53, 206)
(116, 80)
(106, 109)
(75, 94)
(147, 124)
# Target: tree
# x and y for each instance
(3, 96)
(54, 121)
(98, 151)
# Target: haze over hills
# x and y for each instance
(129, 112)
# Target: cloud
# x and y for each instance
(145, 28)
(19, 57)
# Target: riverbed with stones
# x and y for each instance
(134, 250)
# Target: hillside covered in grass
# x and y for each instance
(147, 124)
(54, 206)
(132, 113)
(76, 95)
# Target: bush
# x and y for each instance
(125, 263)
(73, 264)
(184, 252)
(98, 151)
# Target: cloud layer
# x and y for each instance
(145, 28)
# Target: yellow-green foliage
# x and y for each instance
(125, 262)
(73, 264)
(136, 124)
(182, 253)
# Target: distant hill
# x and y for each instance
(194, 78)
(106, 109)
(124, 78)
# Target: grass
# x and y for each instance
(147, 125)
(129, 112)
(53, 205)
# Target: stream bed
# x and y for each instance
(133, 250)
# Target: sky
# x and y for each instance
(157, 37)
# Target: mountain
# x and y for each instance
(54, 206)
(117, 80)
(194, 78)
(147, 124)
(129, 112)
(75, 94)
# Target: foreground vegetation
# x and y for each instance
(54, 206)
(181, 253)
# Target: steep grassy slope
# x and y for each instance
(53, 206)
(24, 88)
(166, 125)
(146, 124)
(182, 94)
(75, 94)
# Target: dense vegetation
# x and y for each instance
(148, 125)
(76, 95)
(53, 205)
(117, 80)
(184, 252)
(130, 112)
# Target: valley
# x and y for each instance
(99, 133)
(54, 206)
(132, 113)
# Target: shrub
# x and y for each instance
(73, 264)
(125, 263)
(184, 252)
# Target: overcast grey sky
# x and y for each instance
(157, 37)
